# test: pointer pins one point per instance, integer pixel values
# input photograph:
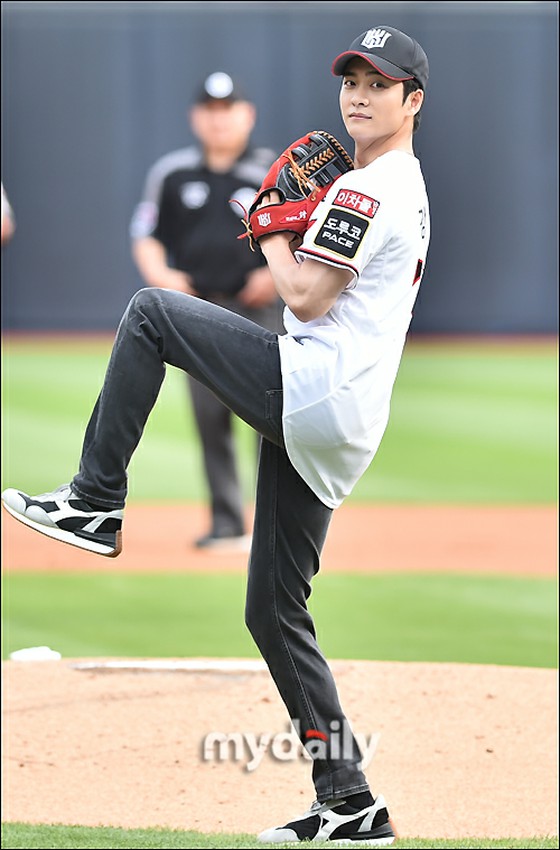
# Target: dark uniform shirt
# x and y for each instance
(187, 208)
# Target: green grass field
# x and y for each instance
(454, 618)
(471, 424)
(23, 836)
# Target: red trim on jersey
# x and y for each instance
(324, 257)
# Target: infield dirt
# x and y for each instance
(462, 750)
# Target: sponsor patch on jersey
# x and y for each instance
(144, 220)
(194, 194)
(342, 233)
(357, 202)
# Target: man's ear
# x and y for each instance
(415, 101)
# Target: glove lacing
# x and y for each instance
(245, 222)
(303, 181)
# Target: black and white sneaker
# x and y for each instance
(64, 516)
(335, 821)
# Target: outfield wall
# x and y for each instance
(94, 92)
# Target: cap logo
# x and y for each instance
(194, 194)
(219, 85)
(376, 38)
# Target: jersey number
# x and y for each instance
(418, 272)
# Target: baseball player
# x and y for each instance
(348, 269)
(184, 236)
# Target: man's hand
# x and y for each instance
(173, 279)
(151, 260)
(294, 240)
(259, 289)
(296, 182)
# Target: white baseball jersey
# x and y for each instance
(339, 370)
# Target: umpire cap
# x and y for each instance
(219, 86)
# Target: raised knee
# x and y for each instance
(144, 304)
(144, 297)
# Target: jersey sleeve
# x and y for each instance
(347, 228)
(146, 214)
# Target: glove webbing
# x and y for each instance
(317, 167)
(301, 172)
(313, 167)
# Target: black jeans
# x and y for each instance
(240, 362)
(215, 425)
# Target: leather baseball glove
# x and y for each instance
(302, 176)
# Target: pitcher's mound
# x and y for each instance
(458, 750)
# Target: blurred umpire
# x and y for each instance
(184, 236)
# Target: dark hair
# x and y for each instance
(410, 86)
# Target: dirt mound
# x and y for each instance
(460, 750)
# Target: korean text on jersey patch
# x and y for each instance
(342, 231)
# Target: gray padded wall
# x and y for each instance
(92, 93)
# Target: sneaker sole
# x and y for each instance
(335, 842)
(367, 841)
(70, 538)
(361, 842)
(381, 841)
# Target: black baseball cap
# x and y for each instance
(219, 86)
(391, 52)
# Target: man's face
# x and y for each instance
(222, 125)
(371, 105)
